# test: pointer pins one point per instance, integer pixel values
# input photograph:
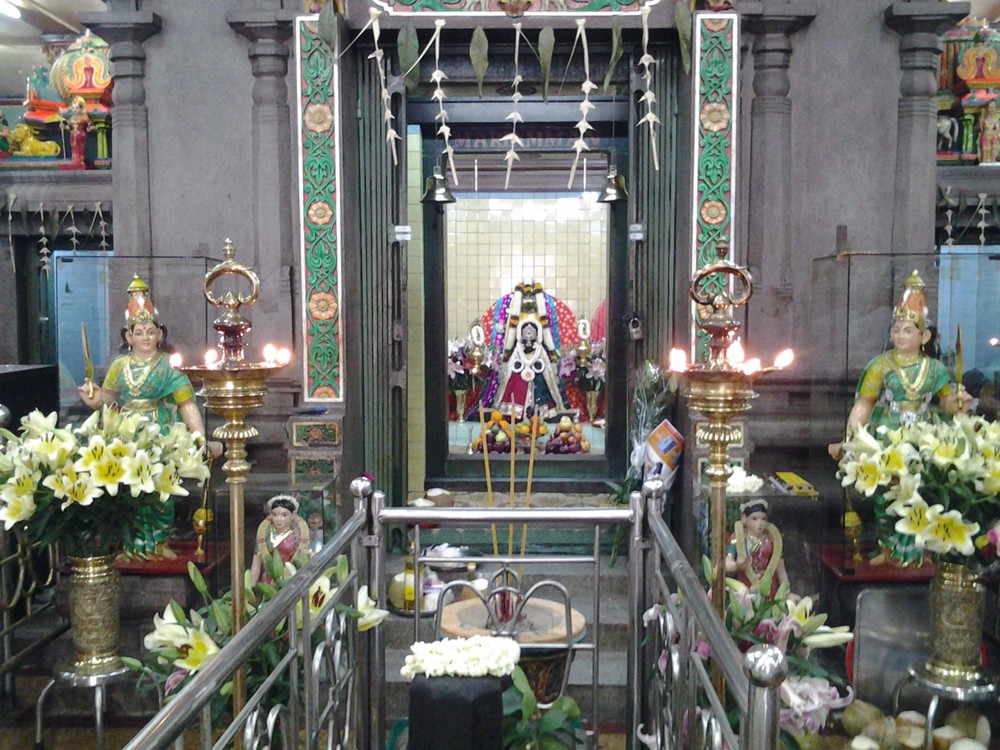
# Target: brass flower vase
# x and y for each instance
(957, 606)
(94, 604)
(460, 396)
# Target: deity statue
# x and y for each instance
(79, 125)
(900, 387)
(527, 340)
(284, 532)
(142, 381)
(754, 550)
(989, 133)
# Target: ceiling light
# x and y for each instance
(9, 9)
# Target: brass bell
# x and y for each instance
(436, 189)
(613, 190)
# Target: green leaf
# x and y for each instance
(546, 46)
(683, 21)
(227, 689)
(178, 612)
(272, 561)
(616, 53)
(479, 54)
(408, 50)
(528, 703)
(343, 569)
(327, 25)
(134, 664)
(552, 720)
(706, 568)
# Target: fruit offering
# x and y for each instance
(567, 437)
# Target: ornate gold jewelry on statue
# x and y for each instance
(140, 304)
(911, 305)
(912, 387)
(145, 368)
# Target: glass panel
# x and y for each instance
(531, 269)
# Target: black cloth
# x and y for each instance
(456, 713)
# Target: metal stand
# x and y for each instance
(70, 676)
(985, 687)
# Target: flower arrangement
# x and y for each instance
(939, 479)
(85, 486)
(476, 656)
(810, 692)
(181, 644)
(588, 371)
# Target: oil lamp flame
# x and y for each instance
(270, 352)
(784, 359)
(735, 353)
(211, 356)
(176, 360)
(678, 360)
(284, 356)
(751, 366)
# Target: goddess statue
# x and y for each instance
(141, 381)
(989, 133)
(754, 550)
(284, 532)
(525, 330)
(899, 387)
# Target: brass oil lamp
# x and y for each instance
(234, 388)
(721, 389)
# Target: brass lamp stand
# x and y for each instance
(721, 389)
(234, 388)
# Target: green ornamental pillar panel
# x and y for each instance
(715, 42)
(319, 128)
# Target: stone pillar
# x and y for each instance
(126, 31)
(769, 250)
(919, 25)
(268, 33)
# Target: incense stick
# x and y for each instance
(527, 490)
(486, 466)
(513, 454)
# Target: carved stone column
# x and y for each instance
(769, 250)
(919, 25)
(126, 31)
(268, 33)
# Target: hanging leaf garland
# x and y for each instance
(546, 46)
(408, 49)
(515, 117)
(479, 54)
(378, 55)
(580, 144)
(439, 96)
(44, 253)
(616, 53)
(647, 61)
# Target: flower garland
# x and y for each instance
(477, 656)
(379, 56)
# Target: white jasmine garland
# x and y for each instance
(478, 656)
(739, 481)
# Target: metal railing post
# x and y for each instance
(637, 602)
(361, 490)
(376, 550)
(766, 666)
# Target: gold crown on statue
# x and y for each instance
(140, 304)
(911, 305)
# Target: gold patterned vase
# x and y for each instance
(957, 606)
(592, 397)
(94, 604)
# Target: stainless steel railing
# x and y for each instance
(684, 624)
(348, 671)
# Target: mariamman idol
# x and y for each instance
(901, 386)
(754, 550)
(141, 381)
(284, 532)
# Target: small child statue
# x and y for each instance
(283, 531)
(754, 549)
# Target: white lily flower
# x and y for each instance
(371, 615)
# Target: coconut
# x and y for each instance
(970, 723)
(967, 744)
(863, 743)
(909, 736)
(911, 719)
(946, 736)
(859, 715)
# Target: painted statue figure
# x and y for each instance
(754, 550)
(989, 133)
(79, 125)
(902, 386)
(526, 337)
(284, 532)
(141, 381)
